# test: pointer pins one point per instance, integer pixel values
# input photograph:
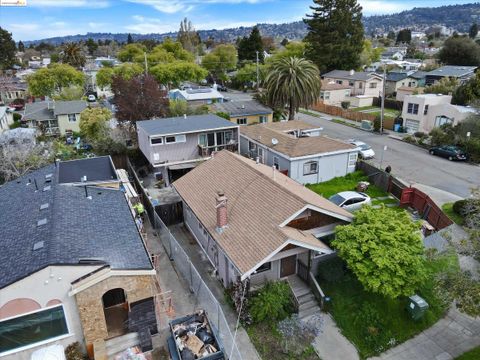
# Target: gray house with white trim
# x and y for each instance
(298, 150)
(176, 145)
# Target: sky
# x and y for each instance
(47, 18)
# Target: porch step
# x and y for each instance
(307, 302)
(120, 343)
(309, 297)
(309, 312)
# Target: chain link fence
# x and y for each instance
(204, 297)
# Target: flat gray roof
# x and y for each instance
(239, 108)
(180, 124)
(452, 71)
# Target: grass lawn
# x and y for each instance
(471, 355)
(363, 108)
(448, 209)
(375, 323)
(268, 342)
(345, 183)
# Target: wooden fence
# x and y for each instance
(356, 116)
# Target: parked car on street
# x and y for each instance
(91, 98)
(449, 151)
(365, 151)
(350, 200)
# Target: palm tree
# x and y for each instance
(294, 82)
(72, 54)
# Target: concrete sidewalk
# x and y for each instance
(450, 337)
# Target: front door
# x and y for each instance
(288, 266)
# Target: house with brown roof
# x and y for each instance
(253, 222)
(298, 150)
(333, 93)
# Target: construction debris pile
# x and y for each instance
(194, 337)
(133, 353)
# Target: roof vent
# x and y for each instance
(42, 222)
(38, 245)
(44, 206)
(83, 178)
(47, 188)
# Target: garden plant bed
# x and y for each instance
(471, 355)
(375, 323)
(456, 218)
(267, 341)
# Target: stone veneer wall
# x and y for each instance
(90, 306)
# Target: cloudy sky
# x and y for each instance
(47, 18)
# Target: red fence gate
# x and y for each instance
(425, 206)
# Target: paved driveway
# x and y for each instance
(408, 162)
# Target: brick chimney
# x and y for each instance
(221, 206)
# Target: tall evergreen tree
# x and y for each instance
(335, 34)
(7, 49)
(248, 46)
(21, 46)
(129, 39)
(472, 33)
(187, 36)
(404, 36)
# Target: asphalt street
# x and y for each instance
(409, 162)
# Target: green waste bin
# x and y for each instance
(417, 307)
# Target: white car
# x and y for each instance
(350, 200)
(366, 152)
(91, 98)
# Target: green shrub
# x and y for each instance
(331, 270)
(223, 115)
(273, 302)
(419, 134)
(73, 352)
(459, 206)
(345, 104)
(17, 116)
(377, 124)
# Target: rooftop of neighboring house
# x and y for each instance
(243, 108)
(396, 76)
(69, 107)
(46, 110)
(452, 71)
(9, 83)
(59, 225)
(38, 111)
(419, 75)
(203, 93)
(411, 89)
(97, 169)
(261, 203)
(278, 137)
(183, 125)
(331, 86)
(350, 75)
(389, 53)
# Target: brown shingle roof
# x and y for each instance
(329, 86)
(289, 144)
(257, 206)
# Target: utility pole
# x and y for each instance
(146, 63)
(383, 97)
(257, 73)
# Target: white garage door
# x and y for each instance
(412, 125)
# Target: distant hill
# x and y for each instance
(458, 17)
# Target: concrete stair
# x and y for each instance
(308, 304)
(121, 343)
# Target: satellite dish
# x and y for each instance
(274, 141)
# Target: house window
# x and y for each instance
(175, 139)
(352, 159)
(412, 108)
(264, 267)
(202, 140)
(347, 93)
(326, 95)
(351, 83)
(360, 85)
(442, 120)
(242, 121)
(373, 85)
(32, 328)
(340, 82)
(156, 141)
(310, 167)
(263, 119)
(72, 118)
(425, 111)
(275, 162)
(228, 136)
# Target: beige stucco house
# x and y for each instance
(333, 93)
(359, 82)
(426, 111)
